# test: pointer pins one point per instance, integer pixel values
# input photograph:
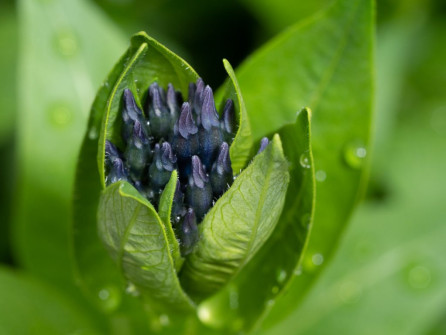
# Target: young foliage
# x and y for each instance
(239, 223)
(326, 63)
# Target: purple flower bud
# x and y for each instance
(263, 144)
(130, 114)
(189, 232)
(159, 115)
(209, 116)
(199, 191)
(221, 173)
(173, 102)
(164, 162)
(228, 118)
(137, 152)
(186, 124)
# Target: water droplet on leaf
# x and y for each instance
(320, 175)
(110, 297)
(304, 161)
(66, 43)
(93, 133)
(60, 114)
(281, 276)
(164, 320)
(354, 154)
(317, 259)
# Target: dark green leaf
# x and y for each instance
(242, 144)
(29, 307)
(8, 69)
(239, 223)
(388, 275)
(324, 63)
(253, 291)
(136, 239)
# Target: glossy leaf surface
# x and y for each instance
(165, 213)
(252, 293)
(239, 223)
(145, 61)
(58, 76)
(136, 239)
(242, 144)
(324, 63)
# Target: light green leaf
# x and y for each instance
(144, 62)
(388, 275)
(135, 237)
(241, 146)
(29, 306)
(250, 295)
(165, 213)
(8, 69)
(239, 223)
(60, 66)
(324, 63)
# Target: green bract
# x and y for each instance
(240, 253)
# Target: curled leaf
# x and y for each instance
(239, 223)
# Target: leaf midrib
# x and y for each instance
(257, 217)
(125, 238)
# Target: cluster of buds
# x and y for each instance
(168, 135)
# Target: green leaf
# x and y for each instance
(136, 239)
(31, 307)
(388, 275)
(251, 294)
(8, 69)
(242, 144)
(239, 223)
(144, 62)
(324, 63)
(165, 213)
(60, 66)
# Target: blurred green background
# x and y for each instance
(388, 274)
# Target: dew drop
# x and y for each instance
(66, 43)
(298, 271)
(104, 294)
(93, 133)
(204, 314)
(132, 290)
(305, 220)
(317, 259)
(281, 276)
(110, 297)
(419, 277)
(304, 161)
(320, 175)
(164, 320)
(270, 302)
(60, 115)
(354, 154)
(349, 292)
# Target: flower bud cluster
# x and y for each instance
(168, 135)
